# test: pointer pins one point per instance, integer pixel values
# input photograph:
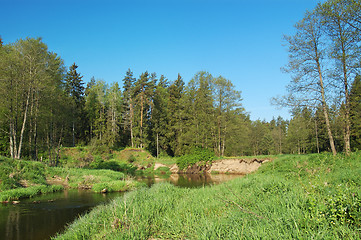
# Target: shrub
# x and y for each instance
(12, 171)
(114, 165)
(163, 171)
(131, 159)
(197, 155)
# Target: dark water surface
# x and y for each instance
(42, 217)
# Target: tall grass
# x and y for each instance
(293, 197)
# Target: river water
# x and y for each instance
(44, 216)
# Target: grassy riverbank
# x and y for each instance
(24, 179)
(293, 197)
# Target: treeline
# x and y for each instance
(45, 106)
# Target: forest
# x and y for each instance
(46, 105)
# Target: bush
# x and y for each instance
(197, 155)
(12, 171)
(113, 165)
(131, 159)
(163, 171)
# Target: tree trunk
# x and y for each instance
(141, 120)
(219, 136)
(224, 141)
(317, 143)
(324, 107)
(280, 142)
(347, 131)
(23, 126)
(73, 133)
(59, 147)
(157, 145)
(11, 139)
(131, 123)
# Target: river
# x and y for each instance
(44, 216)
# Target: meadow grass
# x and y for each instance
(292, 197)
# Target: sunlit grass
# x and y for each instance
(293, 197)
(26, 179)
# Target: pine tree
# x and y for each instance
(157, 133)
(355, 113)
(75, 89)
(176, 116)
(128, 108)
(143, 99)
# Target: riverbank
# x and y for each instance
(239, 166)
(25, 179)
(292, 197)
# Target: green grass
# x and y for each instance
(293, 197)
(25, 179)
(94, 179)
(29, 192)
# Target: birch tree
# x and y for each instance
(28, 70)
(307, 65)
(339, 25)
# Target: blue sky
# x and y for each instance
(240, 40)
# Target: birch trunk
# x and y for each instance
(18, 154)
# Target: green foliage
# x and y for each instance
(21, 179)
(355, 113)
(13, 171)
(97, 147)
(162, 171)
(115, 166)
(197, 155)
(344, 206)
(131, 159)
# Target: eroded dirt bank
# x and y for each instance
(232, 166)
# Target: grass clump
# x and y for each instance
(29, 192)
(116, 186)
(85, 178)
(293, 197)
(94, 179)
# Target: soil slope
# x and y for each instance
(232, 166)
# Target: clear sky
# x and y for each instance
(240, 40)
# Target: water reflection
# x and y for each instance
(44, 216)
(47, 215)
